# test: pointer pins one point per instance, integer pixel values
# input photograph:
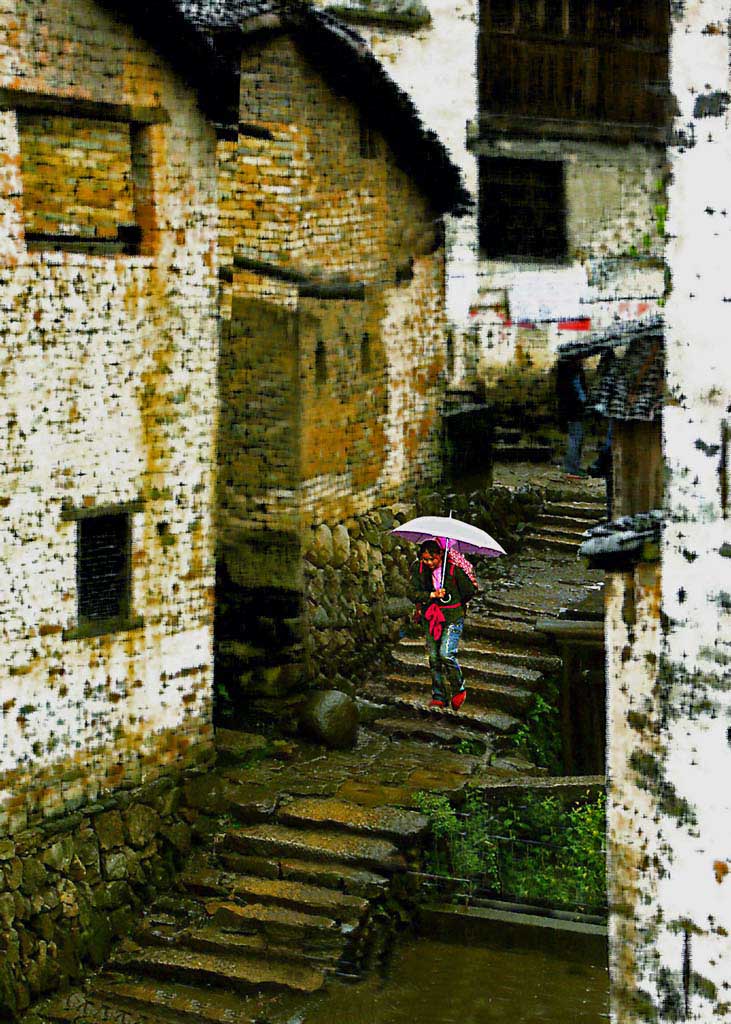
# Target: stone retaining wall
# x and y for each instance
(74, 884)
(356, 578)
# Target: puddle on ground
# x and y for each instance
(446, 983)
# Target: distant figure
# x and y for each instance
(571, 396)
(442, 609)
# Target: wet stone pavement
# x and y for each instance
(301, 851)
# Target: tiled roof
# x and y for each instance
(632, 385)
(346, 62)
(223, 15)
(631, 538)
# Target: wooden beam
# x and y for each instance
(70, 106)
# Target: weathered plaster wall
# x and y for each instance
(108, 366)
(615, 204)
(678, 968)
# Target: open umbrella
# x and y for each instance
(458, 535)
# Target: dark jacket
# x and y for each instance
(570, 387)
(456, 583)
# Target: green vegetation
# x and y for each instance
(539, 736)
(536, 848)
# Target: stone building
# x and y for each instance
(333, 351)
(222, 256)
(109, 287)
(557, 114)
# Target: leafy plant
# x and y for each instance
(539, 737)
(532, 847)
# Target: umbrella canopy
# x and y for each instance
(461, 536)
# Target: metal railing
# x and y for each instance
(501, 867)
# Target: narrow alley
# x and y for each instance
(301, 856)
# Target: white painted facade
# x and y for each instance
(670, 959)
(108, 366)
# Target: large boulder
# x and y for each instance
(330, 717)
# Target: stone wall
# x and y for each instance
(332, 370)
(108, 368)
(72, 886)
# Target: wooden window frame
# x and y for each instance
(129, 241)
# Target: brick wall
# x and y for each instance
(330, 404)
(108, 367)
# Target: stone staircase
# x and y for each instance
(505, 658)
(505, 663)
(263, 914)
(562, 524)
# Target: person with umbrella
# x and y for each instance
(443, 582)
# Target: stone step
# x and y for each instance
(530, 657)
(560, 532)
(486, 668)
(210, 939)
(335, 875)
(548, 540)
(401, 826)
(167, 1001)
(277, 924)
(512, 699)
(340, 877)
(569, 523)
(424, 730)
(283, 893)
(292, 843)
(230, 972)
(592, 510)
(319, 950)
(415, 703)
(508, 631)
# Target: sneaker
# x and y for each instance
(458, 700)
(434, 703)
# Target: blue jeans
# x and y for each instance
(574, 444)
(443, 660)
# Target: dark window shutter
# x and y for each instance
(522, 209)
(103, 567)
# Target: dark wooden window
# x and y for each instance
(104, 569)
(522, 209)
(592, 61)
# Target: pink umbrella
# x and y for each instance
(453, 532)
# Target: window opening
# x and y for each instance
(522, 209)
(80, 183)
(320, 362)
(104, 568)
(366, 365)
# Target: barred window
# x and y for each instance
(103, 570)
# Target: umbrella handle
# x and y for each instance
(444, 561)
(446, 599)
